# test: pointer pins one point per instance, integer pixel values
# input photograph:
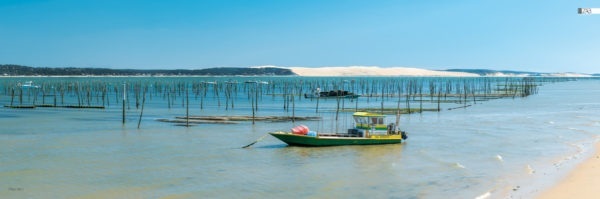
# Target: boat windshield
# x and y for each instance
(360, 120)
(368, 120)
(376, 120)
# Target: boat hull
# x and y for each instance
(303, 140)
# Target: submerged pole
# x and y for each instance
(397, 126)
(187, 107)
(124, 98)
(142, 111)
(12, 96)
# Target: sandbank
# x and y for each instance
(375, 71)
(581, 183)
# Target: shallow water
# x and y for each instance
(507, 147)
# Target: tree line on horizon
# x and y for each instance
(19, 70)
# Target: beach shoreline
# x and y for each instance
(582, 182)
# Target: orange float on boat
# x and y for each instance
(300, 130)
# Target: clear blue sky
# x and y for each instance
(543, 36)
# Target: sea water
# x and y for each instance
(510, 147)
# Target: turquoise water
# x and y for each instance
(505, 147)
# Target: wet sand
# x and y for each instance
(583, 182)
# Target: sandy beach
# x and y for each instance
(375, 71)
(581, 183)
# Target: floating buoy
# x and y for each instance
(300, 130)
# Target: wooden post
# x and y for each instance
(54, 92)
(12, 96)
(254, 99)
(293, 108)
(20, 95)
(124, 98)
(258, 89)
(337, 109)
(142, 111)
(187, 105)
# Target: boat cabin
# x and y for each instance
(367, 124)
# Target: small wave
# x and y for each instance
(484, 196)
(580, 149)
(459, 165)
(550, 122)
(579, 130)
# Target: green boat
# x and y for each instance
(369, 129)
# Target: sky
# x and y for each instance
(534, 35)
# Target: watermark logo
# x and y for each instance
(588, 11)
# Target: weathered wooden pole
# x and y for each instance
(408, 93)
(187, 107)
(202, 95)
(421, 97)
(124, 98)
(439, 95)
(397, 125)
(382, 97)
(227, 96)
(293, 108)
(20, 95)
(142, 111)
(318, 97)
(254, 99)
(168, 90)
(44, 93)
(54, 93)
(337, 109)
(12, 96)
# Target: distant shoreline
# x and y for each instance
(18, 70)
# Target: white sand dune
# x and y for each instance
(374, 71)
(332, 71)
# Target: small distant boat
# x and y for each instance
(29, 84)
(333, 93)
(369, 129)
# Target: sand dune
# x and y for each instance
(374, 71)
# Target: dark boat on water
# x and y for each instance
(317, 93)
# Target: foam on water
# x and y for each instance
(458, 165)
(499, 158)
